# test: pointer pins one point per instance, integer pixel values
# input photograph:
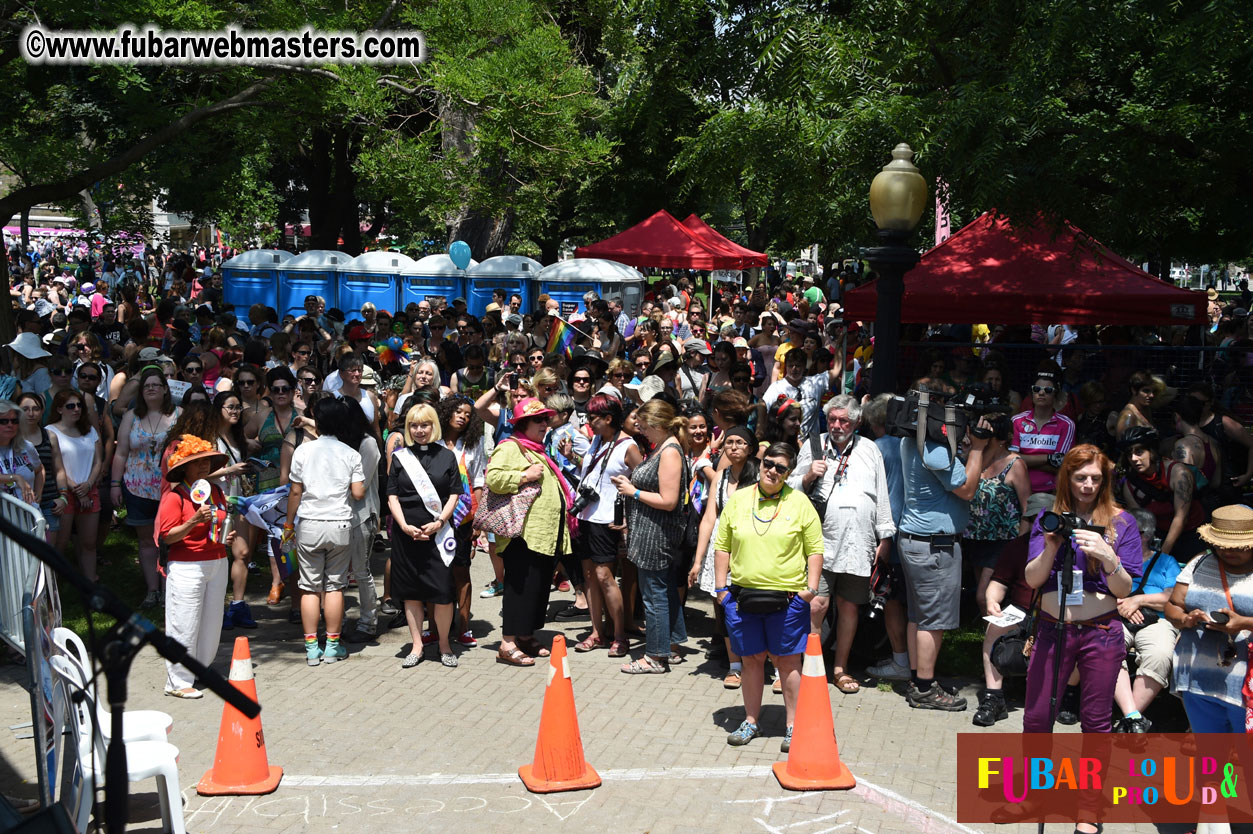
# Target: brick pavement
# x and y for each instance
(381, 749)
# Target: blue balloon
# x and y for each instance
(460, 254)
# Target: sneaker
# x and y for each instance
(1134, 725)
(228, 619)
(1068, 710)
(937, 697)
(889, 670)
(492, 589)
(571, 613)
(991, 709)
(361, 635)
(152, 600)
(786, 744)
(563, 585)
(388, 608)
(745, 733)
(398, 620)
(335, 652)
(242, 615)
(732, 680)
(467, 639)
(428, 638)
(254, 569)
(313, 654)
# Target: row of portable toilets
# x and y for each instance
(391, 280)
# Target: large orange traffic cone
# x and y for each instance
(813, 763)
(240, 766)
(559, 764)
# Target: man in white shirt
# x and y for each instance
(806, 390)
(845, 476)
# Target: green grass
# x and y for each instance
(961, 653)
(123, 576)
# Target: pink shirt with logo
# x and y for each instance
(1056, 435)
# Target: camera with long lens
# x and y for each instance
(1064, 524)
(585, 496)
(879, 591)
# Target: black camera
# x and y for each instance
(586, 495)
(978, 400)
(881, 587)
(1063, 524)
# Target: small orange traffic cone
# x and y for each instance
(240, 766)
(559, 764)
(813, 763)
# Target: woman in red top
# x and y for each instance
(194, 529)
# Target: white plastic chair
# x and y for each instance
(144, 759)
(137, 725)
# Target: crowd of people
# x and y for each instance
(724, 448)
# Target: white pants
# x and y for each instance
(194, 592)
(360, 546)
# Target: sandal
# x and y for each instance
(189, 693)
(618, 648)
(514, 657)
(533, 648)
(846, 683)
(645, 666)
(588, 644)
(276, 594)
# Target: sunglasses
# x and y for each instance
(303, 352)
(72, 406)
(88, 378)
(438, 327)
(247, 382)
(586, 379)
(9, 421)
(232, 408)
(60, 372)
(767, 465)
(193, 369)
(1042, 389)
(82, 346)
(617, 375)
(306, 380)
(518, 366)
(537, 357)
(642, 364)
(281, 389)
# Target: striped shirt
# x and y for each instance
(1057, 434)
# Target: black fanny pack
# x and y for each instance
(759, 601)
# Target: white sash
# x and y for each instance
(445, 540)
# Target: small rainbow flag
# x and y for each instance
(561, 337)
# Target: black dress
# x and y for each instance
(418, 573)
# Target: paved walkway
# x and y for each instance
(374, 748)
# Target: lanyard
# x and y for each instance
(841, 460)
(1222, 572)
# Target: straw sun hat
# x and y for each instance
(1231, 527)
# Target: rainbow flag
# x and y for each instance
(561, 337)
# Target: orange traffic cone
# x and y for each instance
(240, 766)
(813, 763)
(559, 764)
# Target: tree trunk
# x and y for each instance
(25, 226)
(487, 235)
(323, 219)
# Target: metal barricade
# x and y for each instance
(18, 568)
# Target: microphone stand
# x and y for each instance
(1065, 581)
(120, 645)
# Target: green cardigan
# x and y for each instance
(546, 516)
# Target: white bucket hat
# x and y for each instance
(27, 344)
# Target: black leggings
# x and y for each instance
(528, 581)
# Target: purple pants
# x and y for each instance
(1097, 652)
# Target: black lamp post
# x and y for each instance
(898, 196)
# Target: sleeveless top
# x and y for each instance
(367, 404)
(721, 493)
(270, 436)
(474, 390)
(44, 448)
(655, 534)
(142, 476)
(994, 509)
(1155, 495)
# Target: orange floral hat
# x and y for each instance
(189, 448)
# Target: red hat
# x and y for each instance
(357, 333)
(530, 407)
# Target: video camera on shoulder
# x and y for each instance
(1064, 524)
(978, 400)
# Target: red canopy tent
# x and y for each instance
(991, 272)
(665, 243)
(712, 236)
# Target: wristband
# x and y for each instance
(720, 590)
(637, 495)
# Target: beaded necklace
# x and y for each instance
(761, 495)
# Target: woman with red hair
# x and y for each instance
(1104, 567)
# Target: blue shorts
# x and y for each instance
(51, 519)
(140, 512)
(781, 633)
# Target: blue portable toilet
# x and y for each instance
(374, 277)
(252, 278)
(567, 281)
(315, 272)
(511, 273)
(431, 278)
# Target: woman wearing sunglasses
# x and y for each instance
(136, 470)
(82, 457)
(21, 472)
(51, 500)
(247, 384)
(1041, 435)
(268, 427)
(767, 563)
